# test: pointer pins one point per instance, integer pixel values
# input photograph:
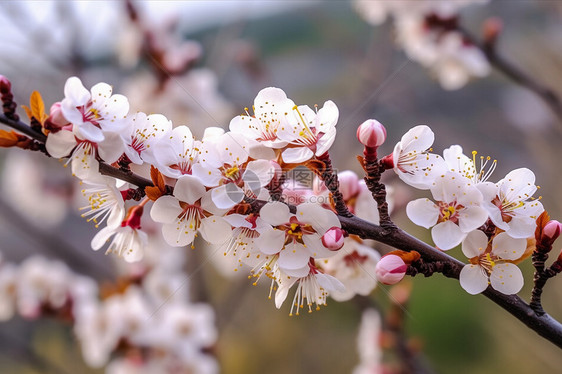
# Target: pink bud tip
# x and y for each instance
(349, 184)
(333, 239)
(371, 133)
(56, 117)
(390, 269)
(552, 230)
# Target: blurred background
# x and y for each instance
(200, 63)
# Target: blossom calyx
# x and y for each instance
(333, 239)
(390, 269)
(371, 133)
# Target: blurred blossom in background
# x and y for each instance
(200, 63)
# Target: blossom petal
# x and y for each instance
(506, 278)
(75, 91)
(423, 212)
(447, 235)
(473, 279)
(474, 244)
(165, 210)
(258, 173)
(61, 143)
(227, 195)
(102, 237)
(296, 155)
(508, 248)
(209, 176)
(275, 213)
(472, 218)
(189, 189)
(320, 218)
(293, 256)
(270, 241)
(215, 230)
(521, 227)
(178, 233)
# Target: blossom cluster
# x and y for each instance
(428, 33)
(230, 188)
(493, 221)
(149, 314)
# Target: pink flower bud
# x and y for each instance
(390, 269)
(333, 239)
(371, 133)
(552, 230)
(56, 117)
(349, 184)
(5, 85)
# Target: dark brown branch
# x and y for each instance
(517, 75)
(544, 325)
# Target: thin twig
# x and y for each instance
(516, 74)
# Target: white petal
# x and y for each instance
(270, 241)
(518, 184)
(61, 143)
(325, 142)
(506, 278)
(209, 176)
(246, 125)
(227, 195)
(472, 218)
(521, 227)
(258, 173)
(419, 138)
(111, 148)
(313, 243)
(76, 92)
(283, 290)
(473, 279)
(275, 213)
(189, 189)
(423, 212)
(102, 237)
(329, 283)
(215, 230)
(178, 234)
(447, 235)
(508, 248)
(296, 155)
(88, 131)
(327, 117)
(293, 256)
(320, 218)
(165, 210)
(474, 244)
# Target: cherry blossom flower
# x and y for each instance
(189, 211)
(269, 115)
(309, 133)
(456, 213)
(145, 131)
(93, 112)
(224, 165)
(296, 237)
(510, 205)
(491, 263)
(411, 161)
(315, 288)
(391, 269)
(176, 154)
(128, 241)
(83, 153)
